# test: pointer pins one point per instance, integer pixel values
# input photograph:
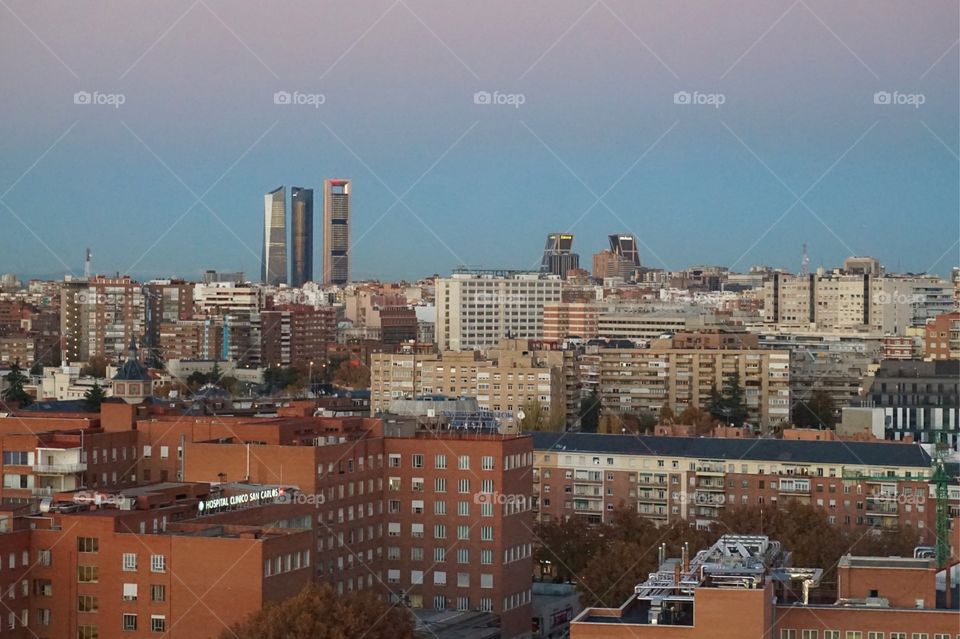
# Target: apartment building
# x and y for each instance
(295, 335)
(918, 399)
(941, 338)
(476, 310)
(635, 379)
(645, 323)
(562, 320)
(695, 478)
(513, 375)
(99, 317)
(887, 305)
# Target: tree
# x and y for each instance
(608, 580)
(590, 408)
(557, 419)
(36, 369)
(534, 416)
(666, 415)
(567, 546)
(96, 367)
(14, 391)
(352, 374)
(701, 420)
(94, 397)
(819, 411)
(733, 398)
(319, 613)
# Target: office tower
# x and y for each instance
(558, 256)
(273, 266)
(625, 245)
(336, 231)
(301, 236)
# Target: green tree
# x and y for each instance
(590, 408)
(734, 401)
(819, 411)
(14, 391)
(318, 612)
(94, 397)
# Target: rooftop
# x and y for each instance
(779, 450)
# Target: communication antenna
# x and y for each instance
(805, 261)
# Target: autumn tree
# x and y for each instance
(534, 416)
(567, 546)
(352, 374)
(666, 415)
(609, 578)
(96, 367)
(701, 420)
(818, 411)
(318, 612)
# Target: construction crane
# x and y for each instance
(941, 480)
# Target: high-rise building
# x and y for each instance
(336, 231)
(99, 317)
(273, 265)
(558, 255)
(625, 245)
(301, 236)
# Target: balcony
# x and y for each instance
(59, 469)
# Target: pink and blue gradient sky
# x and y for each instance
(697, 184)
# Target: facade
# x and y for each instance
(831, 301)
(100, 316)
(919, 399)
(562, 320)
(297, 335)
(273, 268)
(670, 478)
(301, 236)
(941, 338)
(644, 324)
(633, 380)
(475, 311)
(336, 232)
(751, 579)
(513, 376)
(558, 256)
(167, 302)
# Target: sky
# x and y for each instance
(724, 132)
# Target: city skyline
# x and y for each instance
(802, 151)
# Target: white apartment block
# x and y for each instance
(835, 301)
(476, 311)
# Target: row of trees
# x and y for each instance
(606, 561)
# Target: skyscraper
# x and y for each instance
(301, 236)
(625, 246)
(273, 264)
(336, 231)
(558, 255)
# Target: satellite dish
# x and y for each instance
(521, 414)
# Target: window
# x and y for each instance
(129, 621)
(831, 634)
(463, 532)
(158, 623)
(486, 463)
(809, 634)
(417, 461)
(86, 631)
(439, 578)
(873, 634)
(486, 557)
(486, 581)
(463, 486)
(129, 592)
(158, 592)
(788, 634)
(87, 603)
(44, 557)
(854, 634)
(129, 562)
(158, 563)
(87, 544)
(463, 579)
(88, 574)
(440, 462)
(486, 533)
(463, 462)
(463, 555)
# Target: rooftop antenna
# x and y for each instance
(86, 265)
(804, 261)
